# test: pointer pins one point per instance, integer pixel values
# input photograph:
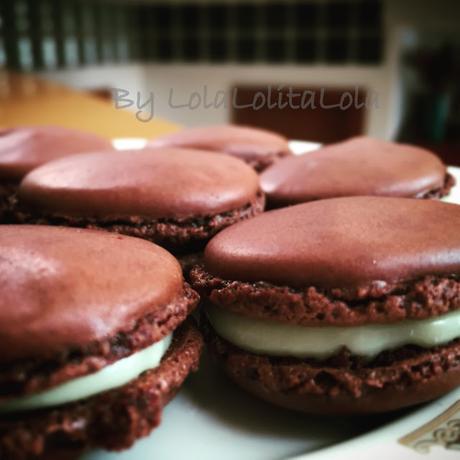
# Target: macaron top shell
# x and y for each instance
(152, 183)
(64, 287)
(341, 243)
(23, 149)
(359, 166)
(232, 139)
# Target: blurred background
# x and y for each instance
(204, 62)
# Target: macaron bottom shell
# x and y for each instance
(112, 420)
(344, 385)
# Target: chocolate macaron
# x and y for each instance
(257, 147)
(94, 339)
(359, 166)
(23, 149)
(174, 197)
(341, 306)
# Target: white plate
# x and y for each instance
(213, 419)
(127, 143)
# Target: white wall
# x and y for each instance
(131, 77)
(184, 80)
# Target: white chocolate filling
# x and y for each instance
(279, 339)
(112, 376)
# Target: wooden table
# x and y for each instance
(28, 100)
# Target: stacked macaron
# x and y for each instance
(174, 197)
(95, 339)
(257, 147)
(23, 149)
(359, 166)
(347, 305)
(97, 342)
